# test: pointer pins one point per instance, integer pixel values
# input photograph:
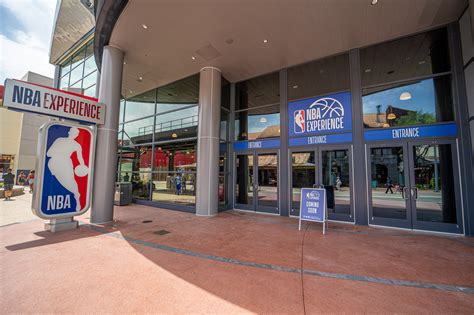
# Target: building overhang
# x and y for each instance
(166, 40)
(73, 22)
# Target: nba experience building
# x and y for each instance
(216, 105)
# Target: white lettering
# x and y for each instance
(405, 133)
(58, 202)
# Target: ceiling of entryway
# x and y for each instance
(183, 36)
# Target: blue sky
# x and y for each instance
(422, 98)
(25, 37)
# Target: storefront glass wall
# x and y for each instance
(319, 164)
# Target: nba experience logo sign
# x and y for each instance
(65, 170)
(331, 113)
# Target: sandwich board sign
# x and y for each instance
(313, 206)
(65, 166)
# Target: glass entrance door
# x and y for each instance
(256, 185)
(329, 166)
(413, 185)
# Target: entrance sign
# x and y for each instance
(313, 206)
(29, 97)
(320, 115)
(442, 130)
(65, 165)
(257, 144)
(324, 139)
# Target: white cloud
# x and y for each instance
(28, 50)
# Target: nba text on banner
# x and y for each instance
(313, 206)
(66, 150)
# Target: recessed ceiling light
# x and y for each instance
(193, 58)
(140, 79)
(145, 26)
(295, 86)
(124, 62)
(368, 70)
(263, 120)
(373, 2)
(265, 41)
(174, 135)
(130, 91)
(421, 62)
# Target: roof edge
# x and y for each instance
(107, 13)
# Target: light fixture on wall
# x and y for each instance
(405, 96)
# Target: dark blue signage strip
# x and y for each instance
(445, 130)
(320, 115)
(326, 139)
(257, 144)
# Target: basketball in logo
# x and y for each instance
(299, 121)
(329, 107)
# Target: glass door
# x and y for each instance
(435, 187)
(266, 188)
(329, 166)
(388, 194)
(244, 181)
(414, 185)
(256, 182)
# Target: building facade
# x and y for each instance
(373, 106)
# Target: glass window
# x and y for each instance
(178, 156)
(89, 65)
(90, 91)
(175, 188)
(319, 78)
(177, 124)
(76, 74)
(141, 183)
(77, 59)
(136, 159)
(64, 82)
(260, 123)
(140, 131)
(89, 49)
(76, 85)
(91, 79)
(141, 106)
(415, 56)
(224, 125)
(264, 90)
(122, 109)
(225, 94)
(65, 68)
(179, 93)
(421, 102)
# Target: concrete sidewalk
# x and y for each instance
(160, 261)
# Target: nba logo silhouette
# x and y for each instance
(64, 170)
(299, 121)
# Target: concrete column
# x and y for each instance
(207, 182)
(106, 146)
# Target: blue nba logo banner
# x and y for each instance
(320, 115)
(64, 170)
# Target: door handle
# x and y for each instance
(415, 193)
(404, 193)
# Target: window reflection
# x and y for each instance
(422, 102)
(414, 56)
(260, 91)
(320, 77)
(140, 106)
(140, 131)
(258, 123)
